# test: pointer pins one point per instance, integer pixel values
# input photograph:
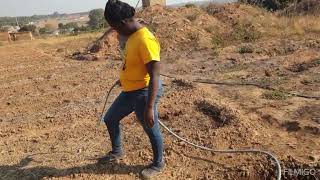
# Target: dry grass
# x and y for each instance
(218, 41)
(272, 24)
(70, 42)
(249, 24)
(296, 25)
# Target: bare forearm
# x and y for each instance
(154, 72)
(153, 90)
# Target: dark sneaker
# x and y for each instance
(110, 157)
(152, 171)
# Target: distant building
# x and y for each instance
(10, 29)
(147, 3)
(6, 28)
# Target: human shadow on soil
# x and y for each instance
(21, 171)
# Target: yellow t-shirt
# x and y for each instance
(141, 48)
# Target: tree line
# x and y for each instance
(96, 22)
(273, 5)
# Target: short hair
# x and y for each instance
(117, 11)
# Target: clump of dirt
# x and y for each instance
(309, 111)
(304, 66)
(60, 50)
(316, 119)
(221, 115)
(292, 126)
(312, 129)
(183, 84)
(107, 45)
(84, 57)
(178, 29)
(96, 47)
(185, 29)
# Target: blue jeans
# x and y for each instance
(126, 103)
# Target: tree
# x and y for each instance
(60, 26)
(271, 4)
(84, 28)
(31, 28)
(69, 27)
(44, 30)
(96, 19)
(55, 14)
(73, 25)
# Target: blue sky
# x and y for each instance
(39, 7)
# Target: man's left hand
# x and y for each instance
(149, 117)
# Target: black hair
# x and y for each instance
(117, 11)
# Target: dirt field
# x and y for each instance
(50, 105)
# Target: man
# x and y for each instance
(140, 81)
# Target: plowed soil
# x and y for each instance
(50, 105)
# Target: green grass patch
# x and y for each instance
(217, 41)
(245, 49)
(274, 95)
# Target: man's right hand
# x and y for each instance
(118, 83)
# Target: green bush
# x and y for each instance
(189, 5)
(44, 30)
(69, 25)
(270, 4)
(96, 19)
(245, 49)
(31, 28)
(84, 28)
(274, 95)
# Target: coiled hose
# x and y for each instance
(255, 151)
